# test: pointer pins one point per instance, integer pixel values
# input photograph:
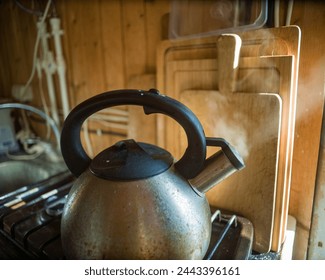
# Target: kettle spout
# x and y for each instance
(219, 166)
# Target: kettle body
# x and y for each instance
(134, 200)
(155, 218)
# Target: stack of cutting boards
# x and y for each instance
(243, 88)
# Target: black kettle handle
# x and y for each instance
(152, 101)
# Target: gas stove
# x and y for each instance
(30, 224)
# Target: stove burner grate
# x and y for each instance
(30, 224)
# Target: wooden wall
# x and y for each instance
(109, 44)
(310, 16)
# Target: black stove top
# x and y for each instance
(30, 224)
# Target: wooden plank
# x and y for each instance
(113, 48)
(154, 13)
(142, 127)
(6, 53)
(309, 15)
(85, 49)
(284, 66)
(188, 75)
(134, 38)
(250, 122)
(15, 55)
(279, 71)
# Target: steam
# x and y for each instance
(229, 123)
(219, 117)
(234, 133)
(247, 121)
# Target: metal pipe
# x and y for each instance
(60, 64)
(49, 67)
(38, 112)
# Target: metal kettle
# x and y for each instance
(133, 201)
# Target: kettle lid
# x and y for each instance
(130, 160)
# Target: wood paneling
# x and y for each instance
(310, 16)
(16, 48)
(85, 49)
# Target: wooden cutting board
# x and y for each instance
(255, 43)
(202, 73)
(284, 65)
(142, 127)
(251, 123)
(182, 76)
